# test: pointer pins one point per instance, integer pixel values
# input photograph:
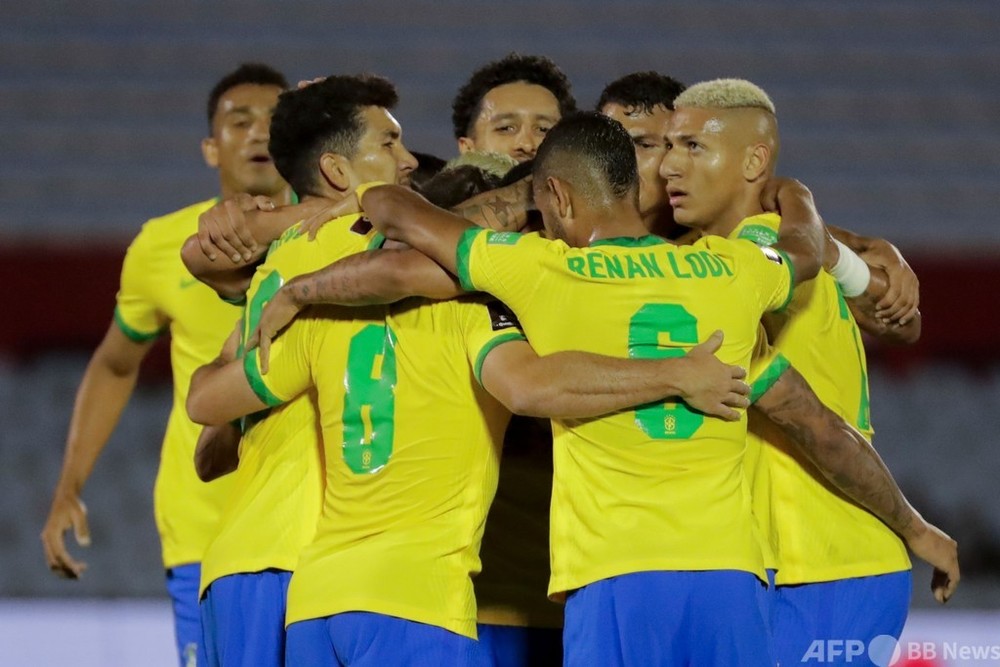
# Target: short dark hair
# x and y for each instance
(452, 186)
(428, 166)
(595, 140)
(254, 74)
(538, 70)
(323, 117)
(642, 91)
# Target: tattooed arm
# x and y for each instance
(505, 209)
(853, 466)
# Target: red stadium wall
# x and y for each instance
(62, 296)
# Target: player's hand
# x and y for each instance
(68, 511)
(232, 344)
(902, 300)
(328, 211)
(712, 386)
(778, 188)
(277, 314)
(223, 228)
(934, 546)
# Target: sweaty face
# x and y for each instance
(648, 132)
(703, 167)
(381, 155)
(238, 145)
(513, 119)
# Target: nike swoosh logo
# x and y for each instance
(188, 282)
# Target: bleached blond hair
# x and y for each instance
(725, 94)
(496, 164)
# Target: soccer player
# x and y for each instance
(326, 138)
(508, 105)
(648, 506)
(411, 450)
(158, 294)
(723, 143)
(642, 103)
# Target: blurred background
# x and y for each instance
(889, 111)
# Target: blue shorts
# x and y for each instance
(837, 620)
(512, 646)
(243, 620)
(364, 639)
(182, 584)
(668, 618)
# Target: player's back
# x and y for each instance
(659, 487)
(272, 510)
(804, 518)
(412, 446)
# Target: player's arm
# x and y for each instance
(504, 209)
(220, 392)
(851, 464)
(568, 385)
(366, 278)
(104, 391)
(402, 215)
(801, 235)
(217, 452)
(233, 236)
(864, 286)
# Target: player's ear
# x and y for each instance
(336, 169)
(561, 195)
(466, 144)
(756, 162)
(210, 151)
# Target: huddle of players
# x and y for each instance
(650, 505)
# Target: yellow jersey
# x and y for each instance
(412, 445)
(660, 487)
(816, 533)
(511, 589)
(277, 488)
(158, 293)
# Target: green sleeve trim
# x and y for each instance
(791, 278)
(768, 377)
(132, 334)
(490, 346)
(462, 254)
(252, 370)
(377, 241)
(294, 198)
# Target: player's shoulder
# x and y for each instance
(166, 224)
(352, 228)
(761, 229)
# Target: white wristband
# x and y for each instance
(850, 272)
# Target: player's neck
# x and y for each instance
(617, 221)
(742, 206)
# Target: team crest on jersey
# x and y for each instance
(773, 255)
(501, 316)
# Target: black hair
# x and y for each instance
(254, 74)
(428, 166)
(538, 70)
(592, 139)
(451, 187)
(642, 91)
(323, 117)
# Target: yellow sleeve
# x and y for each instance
(136, 311)
(290, 368)
(505, 264)
(486, 324)
(766, 366)
(769, 271)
